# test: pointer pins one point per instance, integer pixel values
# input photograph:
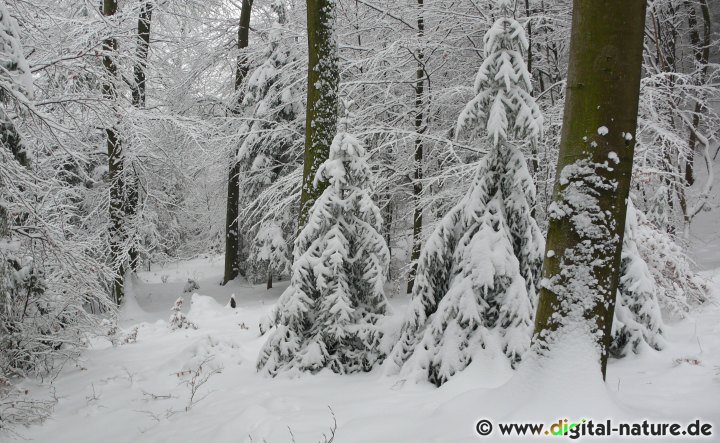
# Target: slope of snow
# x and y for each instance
(143, 391)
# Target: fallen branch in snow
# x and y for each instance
(689, 360)
(150, 414)
(156, 396)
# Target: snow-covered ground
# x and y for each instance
(143, 391)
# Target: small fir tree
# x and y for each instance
(658, 212)
(638, 320)
(269, 253)
(16, 84)
(16, 78)
(178, 320)
(678, 286)
(274, 106)
(327, 317)
(478, 272)
(273, 103)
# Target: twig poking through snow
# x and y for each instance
(197, 380)
(332, 430)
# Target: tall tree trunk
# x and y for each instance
(534, 167)
(115, 164)
(388, 220)
(269, 279)
(419, 130)
(232, 234)
(141, 53)
(322, 97)
(587, 217)
(701, 51)
(138, 101)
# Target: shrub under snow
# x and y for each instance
(178, 320)
(48, 278)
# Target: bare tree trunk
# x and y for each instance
(232, 234)
(115, 164)
(143, 47)
(138, 101)
(701, 51)
(587, 217)
(269, 279)
(534, 167)
(388, 219)
(322, 97)
(419, 130)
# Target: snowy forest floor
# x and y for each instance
(142, 391)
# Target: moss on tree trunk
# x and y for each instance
(582, 262)
(322, 97)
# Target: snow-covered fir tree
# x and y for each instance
(269, 253)
(273, 106)
(478, 272)
(658, 212)
(657, 278)
(22, 284)
(16, 83)
(638, 319)
(678, 285)
(178, 320)
(328, 316)
(16, 77)
(46, 288)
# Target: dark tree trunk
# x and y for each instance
(269, 279)
(582, 261)
(143, 47)
(138, 101)
(534, 167)
(232, 234)
(419, 130)
(388, 229)
(701, 51)
(115, 165)
(322, 97)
